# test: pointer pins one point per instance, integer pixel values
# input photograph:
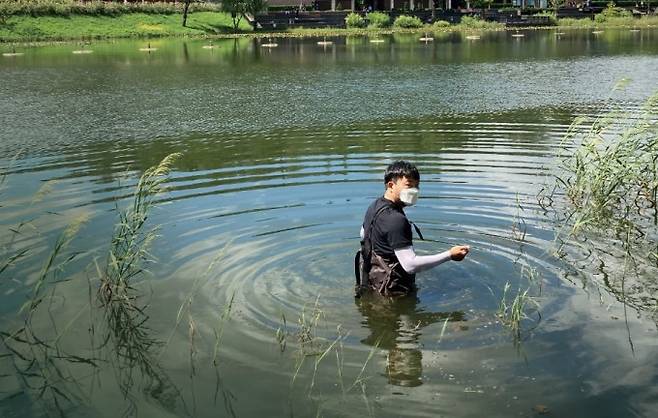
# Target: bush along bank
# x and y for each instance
(67, 8)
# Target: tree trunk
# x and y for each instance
(185, 9)
(433, 9)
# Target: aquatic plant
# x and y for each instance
(605, 195)
(42, 366)
(308, 324)
(131, 241)
(512, 312)
(124, 312)
(610, 175)
(519, 225)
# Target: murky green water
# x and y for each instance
(283, 150)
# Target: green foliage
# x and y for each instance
(405, 21)
(239, 8)
(378, 20)
(512, 313)
(95, 7)
(440, 24)
(470, 22)
(612, 172)
(612, 13)
(604, 198)
(355, 20)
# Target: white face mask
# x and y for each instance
(409, 196)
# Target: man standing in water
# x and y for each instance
(387, 262)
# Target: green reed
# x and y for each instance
(39, 361)
(129, 248)
(605, 196)
(219, 331)
(519, 225)
(611, 175)
(31, 356)
(125, 313)
(513, 312)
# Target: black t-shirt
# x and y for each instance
(390, 231)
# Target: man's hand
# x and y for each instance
(458, 252)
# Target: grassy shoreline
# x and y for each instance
(30, 30)
(24, 29)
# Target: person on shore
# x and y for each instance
(387, 262)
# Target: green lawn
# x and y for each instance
(131, 25)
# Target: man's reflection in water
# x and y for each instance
(396, 324)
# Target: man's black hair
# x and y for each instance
(400, 169)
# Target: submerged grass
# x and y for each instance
(38, 361)
(125, 325)
(45, 368)
(311, 346)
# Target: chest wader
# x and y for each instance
(376, 273)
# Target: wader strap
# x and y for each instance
(366, 232)
(357, 267)
(417, 231)
(361, 259)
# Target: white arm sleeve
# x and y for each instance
(412, 263)
(362, 234)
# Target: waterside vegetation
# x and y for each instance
(605, 197)
(59, 20)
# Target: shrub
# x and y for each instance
(472, 22)
(405, 21)
(378, 20)
(95, 7)
(440, 24)
(612, 12)
(355, 20)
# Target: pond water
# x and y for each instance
(249, 296)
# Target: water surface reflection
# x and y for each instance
(395, 325)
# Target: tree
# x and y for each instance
(240, 8)
(186, 8)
